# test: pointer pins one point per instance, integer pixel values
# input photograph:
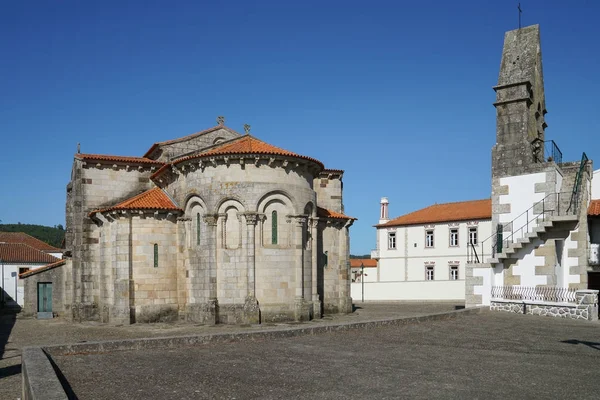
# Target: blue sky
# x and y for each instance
(396, 93)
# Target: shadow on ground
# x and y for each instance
(8, 317)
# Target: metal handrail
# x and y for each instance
(577, 185)
(525, 213)
(546, 151)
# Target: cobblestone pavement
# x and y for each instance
(491, 355)
(16, 332)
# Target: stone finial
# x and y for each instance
(78, 148)
(221, 120)
(247, 129)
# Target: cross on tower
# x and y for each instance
(520, 11)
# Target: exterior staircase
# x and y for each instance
(543, 227)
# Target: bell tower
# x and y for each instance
(520, 105)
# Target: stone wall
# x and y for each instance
(192, 143)
(585, 307)
(329, 188)
(61, 306)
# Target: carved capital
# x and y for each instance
(314, 222)
(210, 219)
(251, 218)
(300, 219)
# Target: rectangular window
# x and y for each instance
(155, 255)
(429, 238)
(454, 272)
(473, 235)
(391, 240)
(429, 273)
(198, 229)
(274, 225)
(453, 237)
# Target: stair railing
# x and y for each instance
(530, 216)
(575, 195)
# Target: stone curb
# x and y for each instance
(194, 340)
(40, 380)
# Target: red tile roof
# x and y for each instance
(367, 262)
(447, 212)
(123, 159)
(22, 237)
(244, 145)
(325, 213)
(594, 208)
(153, 199)
(42, 269)
(247, 145)
(22, 253)
(193, 135)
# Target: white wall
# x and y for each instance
(9, 283)
(430, 290)
(407, 262)
(370, 274)
(596, 184)
(521, 196)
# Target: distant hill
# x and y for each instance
(51, 235)
(359, 256)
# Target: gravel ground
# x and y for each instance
(491, 355)
(16, 332)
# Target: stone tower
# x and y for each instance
(520, 105)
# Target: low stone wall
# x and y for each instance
(40, 382)
(585, 307)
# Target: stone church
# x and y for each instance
(214, 227)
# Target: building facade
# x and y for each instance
(19, 253)
(423, 255)
(214, 227)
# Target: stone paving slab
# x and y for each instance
(16, 333)
(489, 355)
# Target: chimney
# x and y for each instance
(383, 215)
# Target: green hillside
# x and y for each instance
(51, 235)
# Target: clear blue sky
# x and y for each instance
(396, 93)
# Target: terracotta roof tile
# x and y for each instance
(367, 262)
(325, 213)
(153, 199)
(124, 159)
(22, 253)
(594, 208)
(447, 212)
(42, 269)
(247, 145)
(22, 237)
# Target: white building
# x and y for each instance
(16, 259)
(422, 255)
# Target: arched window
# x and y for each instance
(274, 227)
(155, 255)
(197, 229)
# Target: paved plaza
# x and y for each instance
(491, 355)
(16, 332)
(485, 355)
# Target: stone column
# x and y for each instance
(210, 282)
(345, 300)
(302, 312)
(120, 312)
(251, 309)
(316, 303)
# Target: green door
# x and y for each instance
(44, 300)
